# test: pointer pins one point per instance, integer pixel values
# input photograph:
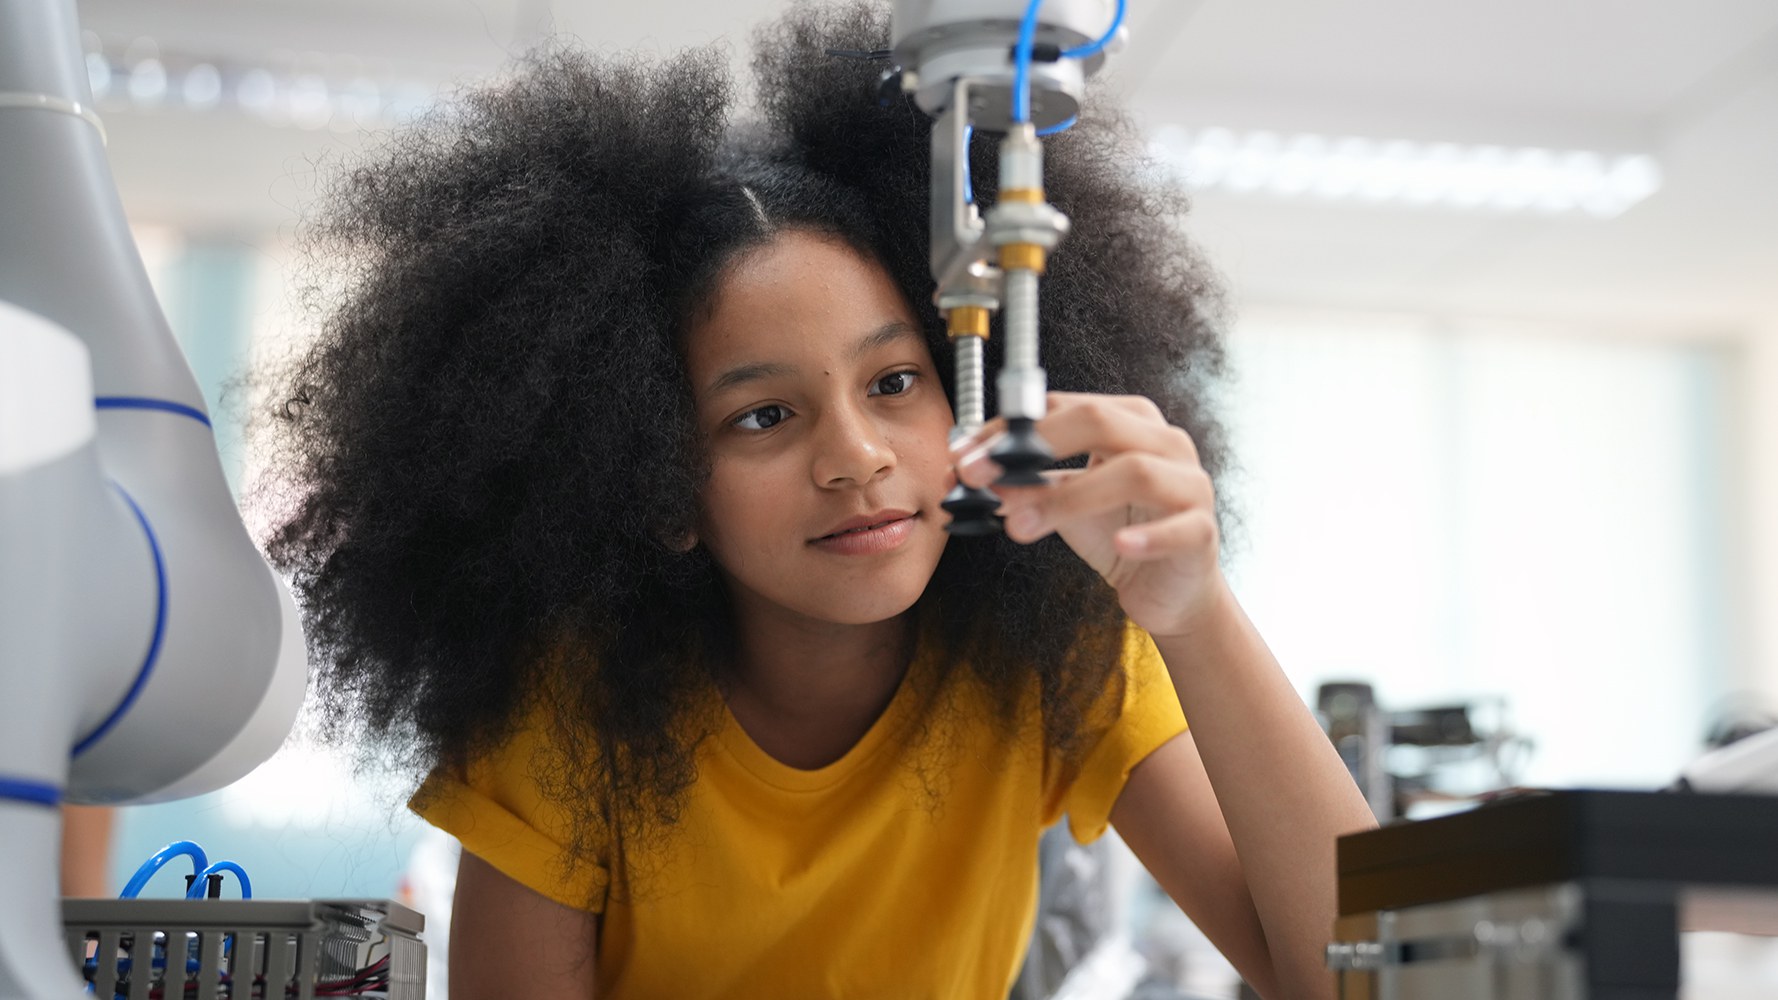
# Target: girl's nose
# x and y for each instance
(850, 448)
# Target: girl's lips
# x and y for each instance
(871, 541)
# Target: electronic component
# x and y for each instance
(240, 949)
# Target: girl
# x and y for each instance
(618, 468)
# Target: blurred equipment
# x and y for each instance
(1105, 931)
(1410, 760)
(1749, 764)
(430, 887)
(1354, 722)
(213, 949)
(203, 948)
(1571, 895)
(1018, 67)
(146, 650)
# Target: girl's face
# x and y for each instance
(823, 414)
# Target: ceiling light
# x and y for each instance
(1413, 174)
(202, 88)
(332, 92)
(257, 91)
(148, 82)
(310, 104)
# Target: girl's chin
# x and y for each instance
(864, 613)
(869, 602)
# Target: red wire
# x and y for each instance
(372, 977)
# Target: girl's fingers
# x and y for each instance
(974, 466)
(1079, 423)
(1132, 479)
(1018, 497)
(1083, 424)
(1187, 531)
(981, 435)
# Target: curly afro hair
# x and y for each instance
(489, 448)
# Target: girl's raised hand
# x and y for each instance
(1142, 512)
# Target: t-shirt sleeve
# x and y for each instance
(1148, 717)
(499, 814)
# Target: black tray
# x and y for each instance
(1548, 837)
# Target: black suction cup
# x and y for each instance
(1022, 454)
(972, 511)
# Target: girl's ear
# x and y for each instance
(677, 541)
(675, 535)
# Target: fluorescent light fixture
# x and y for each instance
(311, 106)
(256, 91)
(148, 82)
(202, 88)
(1411, 174)
(343, 97)
(358, 104)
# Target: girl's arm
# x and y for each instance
(1237, 819)
(508, 941)
(86, 850)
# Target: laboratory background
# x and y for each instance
(1503, 328)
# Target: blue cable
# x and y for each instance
(178, 847)
(1021, 64)
(1061, 126)
(1021, 70)
(1091, 48)
(200, 884)
(968, 184)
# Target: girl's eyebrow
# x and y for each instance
(743, 374)
(888, 333)
(883, 336)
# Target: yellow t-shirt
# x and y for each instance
(847, 881)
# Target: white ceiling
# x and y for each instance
(1695, 84)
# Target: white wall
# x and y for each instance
(1457, 508)
(1758, 453)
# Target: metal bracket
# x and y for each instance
(959, 251)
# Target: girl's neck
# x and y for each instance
(807, 692)
(797, 668)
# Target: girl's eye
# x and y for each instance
(894, 383)
(761, 419)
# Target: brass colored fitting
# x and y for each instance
(1032, 196)
(967, 321)
(1022, 257)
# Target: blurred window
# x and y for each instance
(1453, 510)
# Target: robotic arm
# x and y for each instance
(147, 652)
(1018, 67)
